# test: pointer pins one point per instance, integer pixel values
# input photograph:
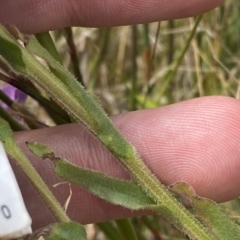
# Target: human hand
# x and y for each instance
(195, 141)
(42, 15)
(181, 142)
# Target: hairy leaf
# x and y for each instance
(211, 214)
(125, 193)
(86, 110)
(116, 191)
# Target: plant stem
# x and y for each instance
(103, 129)
(40, 186)
(73, 54)
(134, 69)
(15, 152)
(86, 109)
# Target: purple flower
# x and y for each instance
(13, 93)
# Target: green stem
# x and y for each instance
(73, 54)
(15, 152)
(84, 107)
(97, 122)
(134, 69)
(171, 42)
(146, 35)
(99, 57)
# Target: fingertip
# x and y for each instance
(196, 141)
(40, 16)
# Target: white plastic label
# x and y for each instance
(15, 221)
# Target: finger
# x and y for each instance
(37, 16)
(196, 141)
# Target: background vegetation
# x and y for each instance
(139, 67)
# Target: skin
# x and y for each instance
(196, 141)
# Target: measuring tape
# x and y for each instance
(15, 221)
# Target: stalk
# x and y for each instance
(86, 109)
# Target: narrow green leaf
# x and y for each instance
(116, 191)
(61, 231)
(58, 83)
(13, 57)
(73, 54)
(46, 41)
(211, 214)
(63, 75)
(86, 110)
